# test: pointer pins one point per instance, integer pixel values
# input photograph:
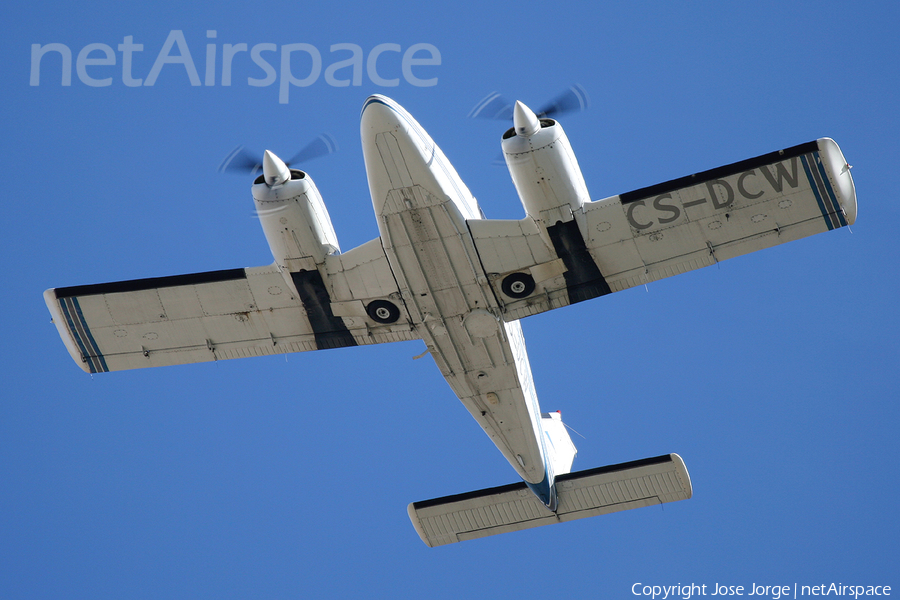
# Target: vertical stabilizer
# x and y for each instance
(560, 449)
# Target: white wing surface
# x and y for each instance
(670, 228)
(225, 314)
(583, 494)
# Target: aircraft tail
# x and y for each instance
(561, 450)
(581, 494)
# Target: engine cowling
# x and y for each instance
(543, 168)
(294, 220)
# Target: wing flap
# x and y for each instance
(505, 245)
(361, 273)
(582, 494)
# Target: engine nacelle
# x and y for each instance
(295, 221)
(543, 168)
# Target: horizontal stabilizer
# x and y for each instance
(582, 494)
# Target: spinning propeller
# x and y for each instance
(241, 160)
(495, 106)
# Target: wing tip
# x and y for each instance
(839, 171)
(417, 524)
(683, 475)
(51, 299)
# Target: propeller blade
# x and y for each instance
(241, 160)
(493, 106)
(574, 99)
(321, 146)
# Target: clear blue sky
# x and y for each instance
(774, 375)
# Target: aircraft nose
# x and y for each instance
(380, 114)
(396, 150)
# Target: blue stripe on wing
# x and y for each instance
(80, 331)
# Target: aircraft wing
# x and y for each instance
(225, 314)
(669, 228)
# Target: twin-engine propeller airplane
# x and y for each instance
(440, 272)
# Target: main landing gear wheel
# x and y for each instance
(518, 285)
(383, 311)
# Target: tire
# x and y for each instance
(518, 285)
(382, 311)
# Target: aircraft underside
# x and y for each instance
(440, 272)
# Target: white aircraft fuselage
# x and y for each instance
(422, 207)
